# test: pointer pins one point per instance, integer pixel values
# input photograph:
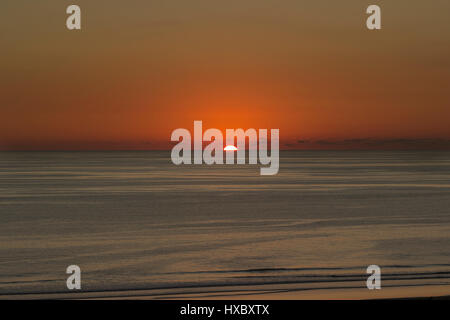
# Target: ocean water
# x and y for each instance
(134, 221)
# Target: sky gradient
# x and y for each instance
(139, 69)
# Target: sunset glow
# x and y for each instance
(297, 73)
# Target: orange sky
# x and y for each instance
(139, 70)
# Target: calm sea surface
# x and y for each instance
(133, 220)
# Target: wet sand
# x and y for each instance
(263, 292)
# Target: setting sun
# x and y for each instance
(230, 148)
